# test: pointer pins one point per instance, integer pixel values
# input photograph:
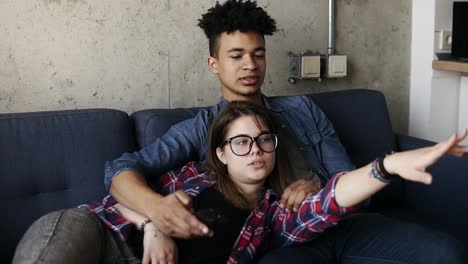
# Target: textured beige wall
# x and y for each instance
(132, 55)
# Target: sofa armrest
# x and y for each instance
(405, 142)
(445, 200)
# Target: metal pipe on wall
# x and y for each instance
(331, 26)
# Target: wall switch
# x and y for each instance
(310, 66)
(336, 66)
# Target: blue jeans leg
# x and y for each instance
(373, 238)
(318, 251)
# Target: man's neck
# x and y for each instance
(257, 99)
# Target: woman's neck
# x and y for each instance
(251, 193)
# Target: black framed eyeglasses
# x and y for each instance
(241, 145)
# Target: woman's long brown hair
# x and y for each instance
(217, 136)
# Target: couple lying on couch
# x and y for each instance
(236, 193)
(240, 206)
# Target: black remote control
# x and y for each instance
(210, 217)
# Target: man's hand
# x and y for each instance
(173, 216)
(295, 193)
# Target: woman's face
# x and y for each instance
(256, 165)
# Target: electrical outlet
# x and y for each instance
(443, 39)
(446, 39)
(336, 66)
(310, 66)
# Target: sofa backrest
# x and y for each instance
(153, 123)
(360, 118)
(54, 160)
(362, 122)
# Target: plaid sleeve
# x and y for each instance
(110, 216)
(317, 213)
(188, 178)
(171, 181)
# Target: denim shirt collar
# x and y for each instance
(266, 101)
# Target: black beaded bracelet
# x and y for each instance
(142, 226)
(383, 173)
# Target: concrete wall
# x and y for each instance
(132, 55)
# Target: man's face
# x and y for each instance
(240, 65)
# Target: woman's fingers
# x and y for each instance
(146, 258)
(462, 135)
(416, 175)
(438, 151)
(423, 177)
(450, 146)
(167, 257)
(458, 151)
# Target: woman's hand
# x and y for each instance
(157, 247)
(411, 165)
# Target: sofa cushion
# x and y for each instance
(54, 160)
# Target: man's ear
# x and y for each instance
(213, 64)
(220, 154)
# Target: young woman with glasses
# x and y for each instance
(237, 193)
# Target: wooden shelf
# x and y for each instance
(453, 66)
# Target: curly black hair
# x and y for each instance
(235, 15)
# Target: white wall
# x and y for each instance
(422, 46)
(437, 97)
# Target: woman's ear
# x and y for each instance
(213, 64)
(220, 154)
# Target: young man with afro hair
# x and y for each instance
(236, 32)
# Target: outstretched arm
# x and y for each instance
(344, 192)
(356, 186)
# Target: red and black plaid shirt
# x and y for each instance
(267, 227)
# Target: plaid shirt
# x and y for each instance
(267, 227)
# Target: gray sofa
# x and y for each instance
(54, 160)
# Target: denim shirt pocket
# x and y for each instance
(312, 148)
(311, 137)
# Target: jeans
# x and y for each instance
(72, 236)
(373, 238)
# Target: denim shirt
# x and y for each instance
(186, 141)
